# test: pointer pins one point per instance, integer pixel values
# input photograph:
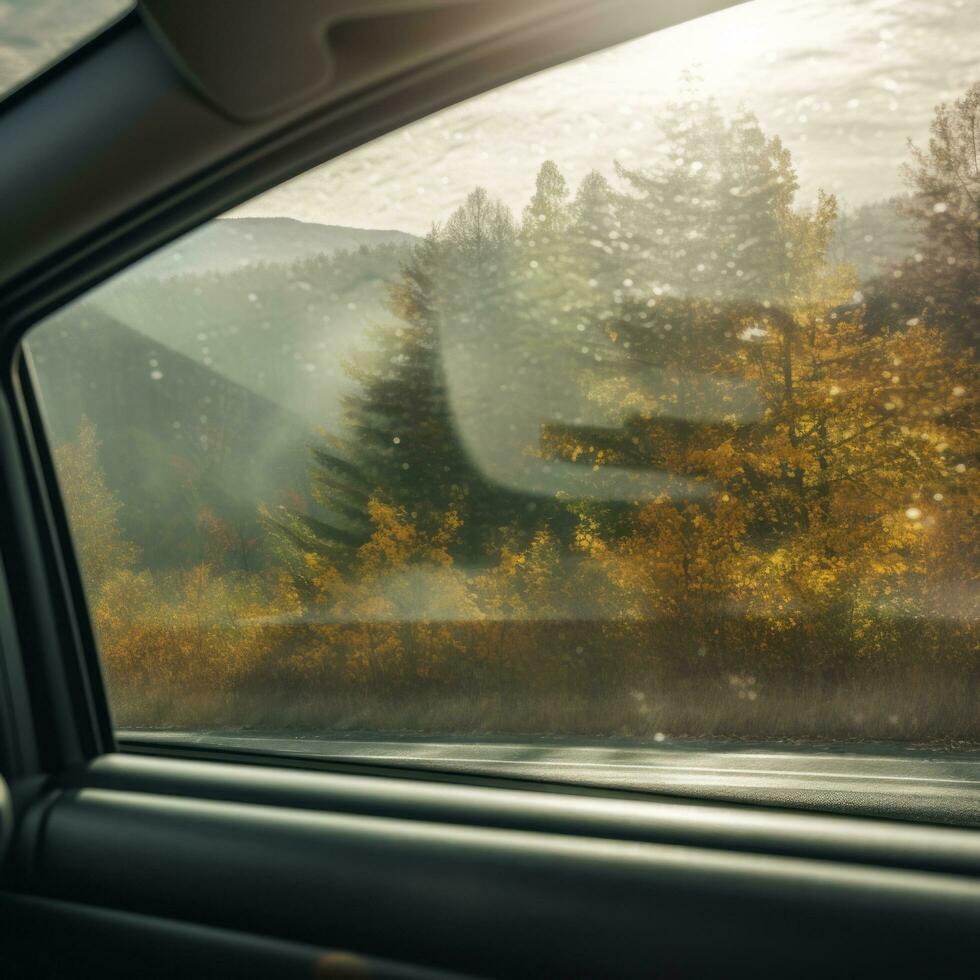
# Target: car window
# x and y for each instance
(633, 400)
(35, 33)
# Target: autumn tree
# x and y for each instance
(93, 510)
(795, 447)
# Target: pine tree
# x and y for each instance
(704, 222)
(942, 282)
(546, 216)
(404, 438)
(596, 236)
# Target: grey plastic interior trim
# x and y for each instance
(495, 901)
(251, 62)
(862, 785)
(695, 823)
(64, 939)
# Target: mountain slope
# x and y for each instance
(176, 438)
(228, 244)
(284, 331)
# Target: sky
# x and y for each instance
(845, 83)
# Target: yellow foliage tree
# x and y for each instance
(93, 510)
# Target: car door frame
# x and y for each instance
(515, 866)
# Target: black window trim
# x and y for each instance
(58, 714)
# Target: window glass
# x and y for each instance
(35, 33)
(636, 398)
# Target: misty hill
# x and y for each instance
(207, 389)
(283, 331)
(228, 244)
(193, 441)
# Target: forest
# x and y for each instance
(663, 453)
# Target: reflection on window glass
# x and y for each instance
(35, 33)
(634, 398)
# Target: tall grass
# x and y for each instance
(568, 678)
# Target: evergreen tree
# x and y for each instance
(705, 221)
(546, 216)
(394, 433)
(942, 282)
(405, 434)
(596, 236)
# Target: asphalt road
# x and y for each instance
(880, 779)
